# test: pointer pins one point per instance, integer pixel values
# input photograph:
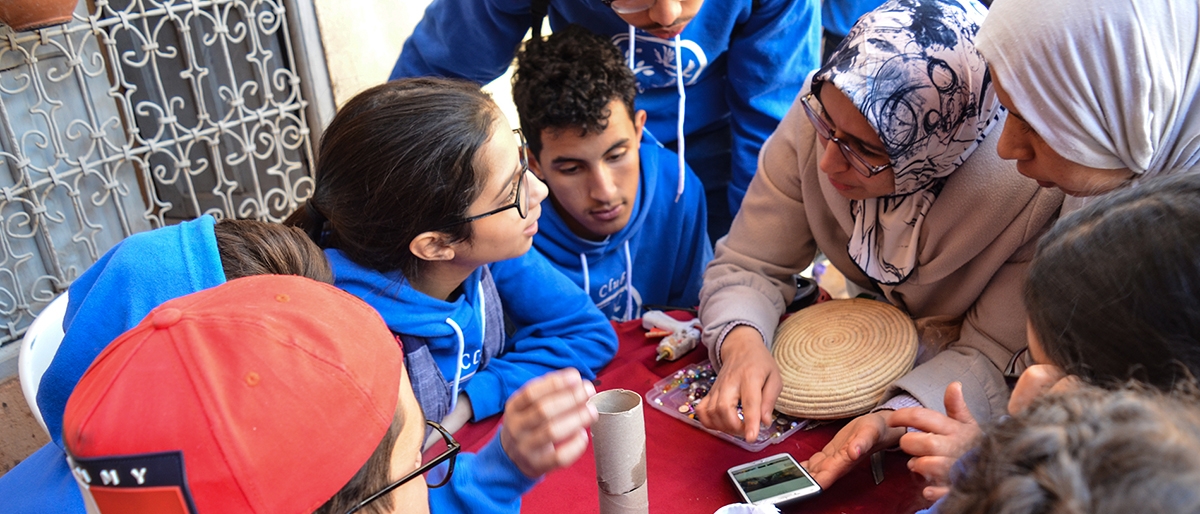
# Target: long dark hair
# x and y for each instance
(1114, 289)
(398, 160)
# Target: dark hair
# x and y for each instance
(1114, 288)
(249, 247)
(567, 82)
(396, 161)
(371, 478)
(1087, 451)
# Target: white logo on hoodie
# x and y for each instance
(654, 61)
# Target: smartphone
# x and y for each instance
(775, 480)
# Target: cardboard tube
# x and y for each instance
(619, 443)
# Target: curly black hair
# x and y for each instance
(567, 81)
(1087, 451)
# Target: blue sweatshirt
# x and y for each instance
(665, 243)
(113, 295)
(553, 324)
(838, 16)
(744, 60)
(484, 482)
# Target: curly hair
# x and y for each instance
(1090, 450)
(567, 81)
(1113, 291)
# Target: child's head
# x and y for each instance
(220, 395)
(1114, 288)
(575, 96)
(1089, 450)
(406, 166)
(250, 247)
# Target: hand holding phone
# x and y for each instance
(774, 480)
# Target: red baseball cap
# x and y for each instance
(264, 394)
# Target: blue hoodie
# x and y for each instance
(113, 295)
(744, 61)
(665, 243)
(838, 16)
(553, 325)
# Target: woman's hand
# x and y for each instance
(942, 440)
(861, 437)
(1035, 381)
(546, 421)
(748, 376)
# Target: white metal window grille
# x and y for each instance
(135, 115)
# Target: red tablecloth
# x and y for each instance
(686, 466)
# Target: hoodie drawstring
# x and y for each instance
(682, 109)
(632, 44)
(587, 281)
(629, 314)
(682, 103)
(457, 362)
(462, 343)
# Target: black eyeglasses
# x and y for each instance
(450, 454)
(520, 196)
(824, 131)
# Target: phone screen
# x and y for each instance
(772, 478)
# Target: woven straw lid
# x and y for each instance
(838, 357)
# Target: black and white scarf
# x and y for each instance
(912, 69)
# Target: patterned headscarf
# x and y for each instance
(912, 69)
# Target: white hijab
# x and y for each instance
(911, 68)
(1107, 83)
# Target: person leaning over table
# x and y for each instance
(887, 164)
(1103, 93)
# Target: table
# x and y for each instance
(686, 466)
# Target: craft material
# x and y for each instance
(679, 337)
(877, 467)
(679, 394)
(837, 358)
(619, 443)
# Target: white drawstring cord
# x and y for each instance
(632, 40)
(629, 314)
(682, 109)
(457, 362)
(587, 281)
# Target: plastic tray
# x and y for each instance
(676, 395)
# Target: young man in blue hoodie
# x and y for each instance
(613, 212)
(743, 63)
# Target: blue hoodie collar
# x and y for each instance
(404, 309)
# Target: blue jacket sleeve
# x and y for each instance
(773, 51)
(467, 39)
(554, 325)
(487, 481)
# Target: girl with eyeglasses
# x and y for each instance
(887, 164)
(426, 208)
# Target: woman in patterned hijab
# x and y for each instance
(913, 72)
(885, 164)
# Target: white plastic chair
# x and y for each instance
(37, 350)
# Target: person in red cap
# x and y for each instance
(280, 394)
